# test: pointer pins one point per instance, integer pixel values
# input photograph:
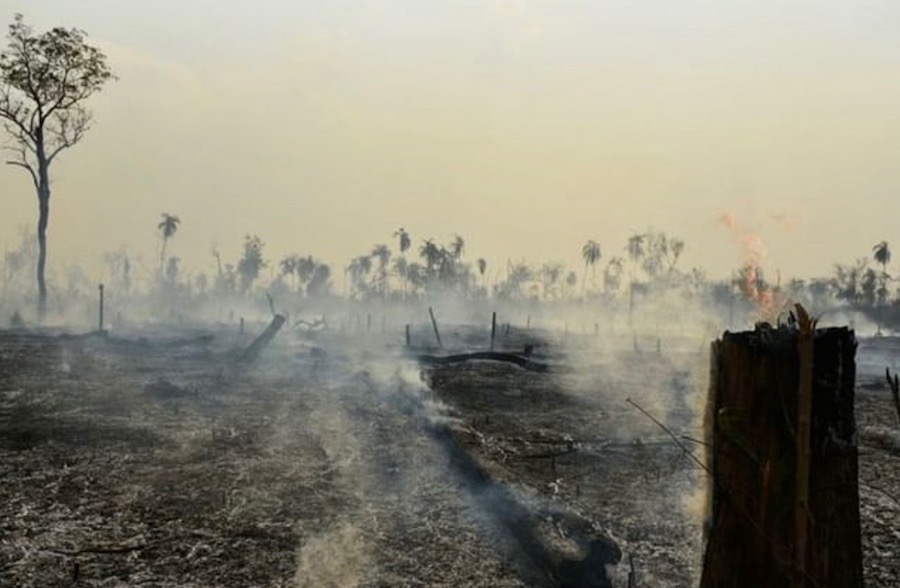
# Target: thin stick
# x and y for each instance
(665, 429)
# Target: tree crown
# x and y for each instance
(44, 80)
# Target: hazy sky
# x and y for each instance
(528, 127)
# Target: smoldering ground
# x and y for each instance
(337, 459)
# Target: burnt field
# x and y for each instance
(158, 458)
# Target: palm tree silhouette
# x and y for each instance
(383, 255)
(168, 227)
(431, 253)
(676, 246)
(482, 267)
(403, 240)
(571, 280)
(306, 270)
(457, 246)
(636, 250)
(612, 275)
(591, 254)
(882, 254)
(550, 273)
(289, 267)
(401, 266)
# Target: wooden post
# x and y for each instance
(368, 322)
(242, 325)
(101, 308)
(493, 328)
(785, 496)
(408, 341)
(437, 334)
(528, 322)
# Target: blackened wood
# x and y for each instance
(493, 328)
(437, 334)
(754, 384)
(264, 339)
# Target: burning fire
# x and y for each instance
(750, 281)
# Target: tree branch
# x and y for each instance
(28, 168)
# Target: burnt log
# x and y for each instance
(534, 528)
(521, 361)
(784, 462)
(261, 342)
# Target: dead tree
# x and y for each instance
(785, 496)
(261, 342)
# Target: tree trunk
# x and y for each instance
(768, 528)
(584, 282)
(43, 220)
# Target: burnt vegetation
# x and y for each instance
(419, 416)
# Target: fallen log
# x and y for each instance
(261, 342)
(524, 362)
(537, 529)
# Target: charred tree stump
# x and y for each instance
(261, 342)
(785, 495)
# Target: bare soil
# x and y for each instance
(159, 460)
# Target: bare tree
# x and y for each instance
(44, 81)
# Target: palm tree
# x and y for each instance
(251, 263)
(882, 254)
(482, 267)
(403, 240)
(591, 254)
(383, 255)
(550, 273)
(168, 227)
(400, 268)
(431, 253)
(457, 246)
(519, 275)
(571, 280)
(306, 269)
(359, 268)
(635, 249)
(676, 246)
(319, 279)
(612, 275)
(289, 268)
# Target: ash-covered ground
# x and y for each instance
(156, 458)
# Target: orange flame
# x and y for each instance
(753, 252)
